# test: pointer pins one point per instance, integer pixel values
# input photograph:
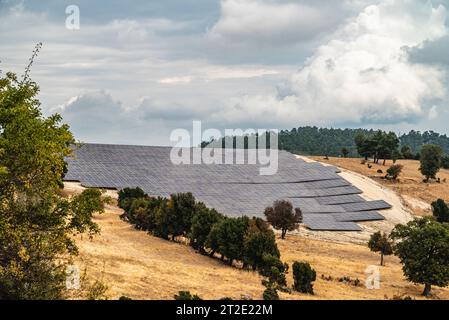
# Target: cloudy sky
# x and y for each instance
(135, 71)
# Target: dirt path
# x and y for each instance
(372, 190)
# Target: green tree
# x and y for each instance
(379, 242)
(407, 152)
(423, 248)
(179, 216)
(440, 210)
(126, 197)
(303, 276)
(270, 292)
(202, 222)
(230, 237)
(445, 162)
(36, 222)
(274, 269)
(282, 216)
(345, 152)
(430, 160)
(259, 240)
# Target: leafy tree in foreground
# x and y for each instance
(440, 210)
(304, 276)
(423, 248)
(430, 160)
(345, 152)
(282, 216)
(379, 242)
(36, 223)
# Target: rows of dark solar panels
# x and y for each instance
(327, 201)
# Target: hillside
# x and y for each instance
(135, 264)
(417, 195)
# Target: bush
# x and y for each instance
(303, 276)
(394, 171)
(186, 295)
(270, 292)
(440, 210)
(97, 291)
(273, 268)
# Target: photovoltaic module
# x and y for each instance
(328, 201)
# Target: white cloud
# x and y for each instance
(268, 20)
(176, 80)
(361, 76)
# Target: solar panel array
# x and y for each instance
(328, 201)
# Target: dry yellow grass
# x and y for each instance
(411, 181)
(135, 264)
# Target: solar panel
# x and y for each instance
(328, 201)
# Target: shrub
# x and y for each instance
(303, 276)
(440, 210)
(97, 291)
(273, 268)
(270, 292)
(394, 171)
(282, 216)
(186, 295)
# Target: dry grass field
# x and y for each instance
(140, 266)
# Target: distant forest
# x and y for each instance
(324, 141)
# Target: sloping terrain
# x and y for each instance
(140, 266)
(416, 194)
